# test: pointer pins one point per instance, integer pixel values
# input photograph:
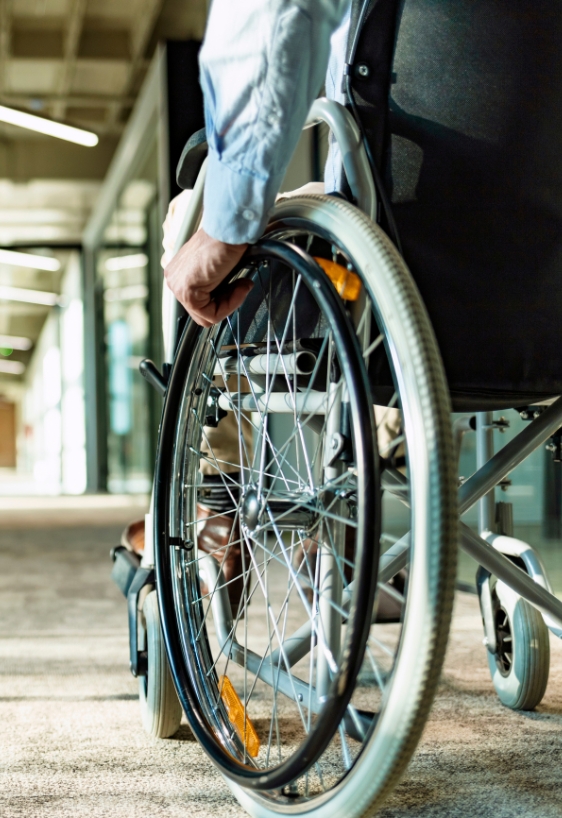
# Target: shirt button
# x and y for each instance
(248, 214)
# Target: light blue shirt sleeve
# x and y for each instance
(262, 65)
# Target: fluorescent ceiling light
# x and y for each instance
(12, 367)
(15, 342)
(126, 262)
(47, 126)
(126, 293)
(28, 296)
(29, 260)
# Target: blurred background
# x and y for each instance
(80, 246)
(76, 319)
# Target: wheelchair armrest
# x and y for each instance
(191, 159)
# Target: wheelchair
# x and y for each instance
(304, 692)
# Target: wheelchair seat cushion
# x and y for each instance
(470, 147)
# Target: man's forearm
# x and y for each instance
(262, 65)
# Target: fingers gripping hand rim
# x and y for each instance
(196, 272)
(212, 308)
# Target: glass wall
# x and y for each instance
(123, 265)
(122, 251)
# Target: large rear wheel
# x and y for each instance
(311, 698)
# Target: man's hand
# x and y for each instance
(198, 269)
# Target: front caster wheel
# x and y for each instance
(160, 707)
(521, 663)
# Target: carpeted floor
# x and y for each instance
(71, 742)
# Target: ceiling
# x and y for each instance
(81, 62)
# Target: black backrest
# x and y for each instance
(471, 146)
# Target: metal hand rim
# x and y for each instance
(367, 544)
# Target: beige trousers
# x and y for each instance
(221, 446)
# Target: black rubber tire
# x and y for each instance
(160, 707)
(523, 685)
(423, 390)
(183, 619)
(416, 358)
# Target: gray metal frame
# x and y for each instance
(490, 550)
(492, 468)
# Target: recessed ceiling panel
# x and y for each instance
(100, 77)
(116, 9)
(33, 76)
(41, 8)
(39, 43)
(105, 43)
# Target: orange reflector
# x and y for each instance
(235, 710)
(347, 284)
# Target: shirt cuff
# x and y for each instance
(236, 203)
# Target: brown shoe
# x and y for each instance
(133, 537)
(213, 539)
(220, 538)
